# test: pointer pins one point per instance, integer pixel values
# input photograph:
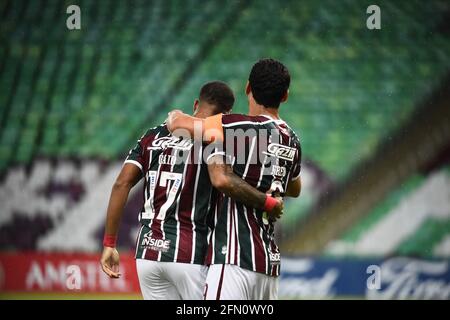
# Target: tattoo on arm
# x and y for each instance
(235, 187)
(245, 193)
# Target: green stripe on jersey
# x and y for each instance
(140, 249)
(202, 199)
(221, 233)
(245, 234)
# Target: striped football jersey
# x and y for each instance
(176, 197)
(266, 153)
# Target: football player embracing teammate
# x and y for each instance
(264, 151)
(172, 241)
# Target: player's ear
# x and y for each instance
(248, 89)
(196, 102)
(285, 96)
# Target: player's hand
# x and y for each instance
(110, 262)
(277, 211)
(171, 117)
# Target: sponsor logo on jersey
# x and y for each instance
(155, 244)
(278, 171)
(171, 142)
(280, 151)
(274, 257)
(224, 250)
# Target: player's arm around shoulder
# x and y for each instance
(179, 121)
(226, 181)
(208, 130)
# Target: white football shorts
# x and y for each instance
(171, 280)
(231, 282)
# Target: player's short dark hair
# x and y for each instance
(219, 94)
(269, 80)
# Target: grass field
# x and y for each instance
(105, 296)
(68, 296)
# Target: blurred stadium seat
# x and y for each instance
(414, 220)
(72, 104)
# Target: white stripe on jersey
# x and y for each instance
(209, 208)
(261, 174)
(264, 245)
(176, 216)
(251, 239)
(175, 256)
(233, 124)
(238, 123)
(149, 203)
(277, 121)
(137, 164)
(213, 235)
(237, 235)
(137, 242)
(152, 204)
(227, 256)
(250, 153)
(280, 141)
(266, 258)
(289, 177)
(232, 238)
(145, 248)
(252, 146)
(253, 210)
(199, 168)
(151, 196)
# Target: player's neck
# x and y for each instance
(259, 110)
(202, 113)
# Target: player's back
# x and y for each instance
(266, 153)
(173, 215)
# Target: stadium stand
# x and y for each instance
(72, 103)
(413, 220)
(341, 102)
(66, 91)
(420, 144)
(350, 88)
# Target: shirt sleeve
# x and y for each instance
(135, 156)
(297, 164)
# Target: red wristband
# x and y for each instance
(270, 203)
(109, 241)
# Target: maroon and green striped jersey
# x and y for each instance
(266, 153)
(176, 196)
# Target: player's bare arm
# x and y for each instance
(223, 176)
(208, 130)
(294, 188)
(178, 120)
(128, 177)
(226, 181)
